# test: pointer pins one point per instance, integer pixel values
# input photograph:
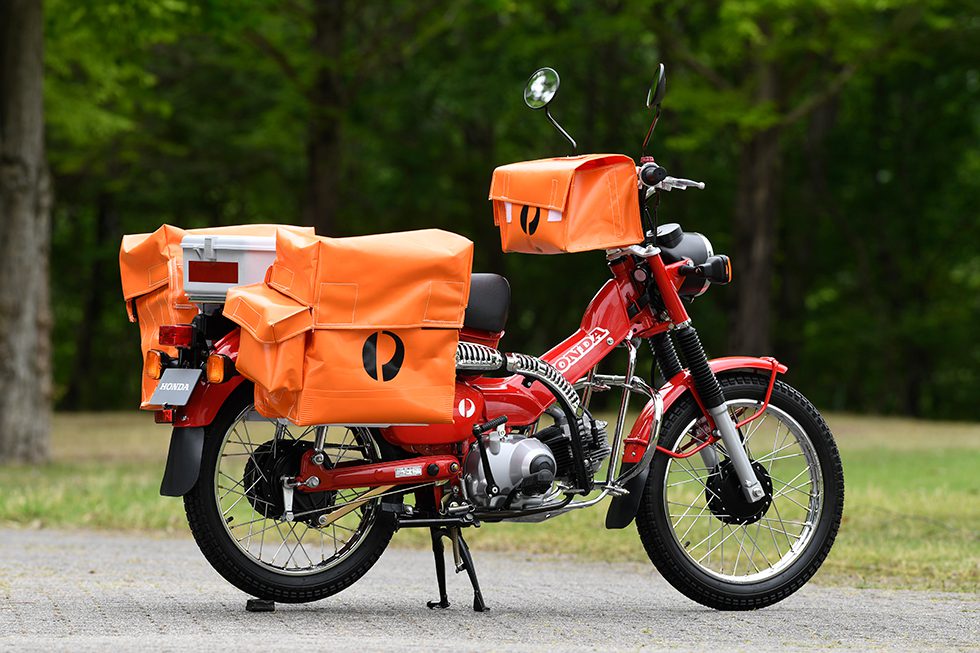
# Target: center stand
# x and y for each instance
(463, 560)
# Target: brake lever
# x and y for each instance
(670, 183)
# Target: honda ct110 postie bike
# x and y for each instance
(731, 475)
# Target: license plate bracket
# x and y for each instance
(175, 387)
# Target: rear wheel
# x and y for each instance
(700, 531)
(236, 509)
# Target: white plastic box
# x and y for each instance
(213, 264)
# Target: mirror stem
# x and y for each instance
(646, 141)
(564, 133)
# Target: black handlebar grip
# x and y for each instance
(652, 174)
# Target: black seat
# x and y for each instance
(489, 303)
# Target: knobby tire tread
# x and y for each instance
(652, 523)
(214, 542)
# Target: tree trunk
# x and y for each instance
(755, 230)
(24, 237)
(326, 112)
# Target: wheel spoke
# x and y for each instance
(768, 544)
(247, 460)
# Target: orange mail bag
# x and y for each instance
(152, 282)
(356, 330)
(570, 204)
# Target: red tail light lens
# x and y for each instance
(177, 335)
(165, 416)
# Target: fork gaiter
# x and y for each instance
(697, 362)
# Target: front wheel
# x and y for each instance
(699, 530)
(237, 515)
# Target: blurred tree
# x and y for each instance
(760, 68)
(25, 400)
(392, 116)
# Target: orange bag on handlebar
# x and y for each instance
(569, 204)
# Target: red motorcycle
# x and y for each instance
(732, 476)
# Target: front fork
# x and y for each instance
(713, 401)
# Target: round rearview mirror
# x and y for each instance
(541, 88)
(657, 89)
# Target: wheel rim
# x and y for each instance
(754, 552)
(293, 548)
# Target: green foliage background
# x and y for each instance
(199, 113)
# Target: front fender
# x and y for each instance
(622, 509)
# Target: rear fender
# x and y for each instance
(187, 440)
(622, 509)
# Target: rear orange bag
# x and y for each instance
(151, 269)
(369, 326)
(570, 204)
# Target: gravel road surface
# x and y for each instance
(85, 591)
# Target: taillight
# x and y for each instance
(156, 362)
(165, 416)
(220, 368)
(180, 335)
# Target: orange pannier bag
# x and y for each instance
(356, 330)
(570, 204)
(151, 269)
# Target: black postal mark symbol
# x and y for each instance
(527, 228)
(374, 367)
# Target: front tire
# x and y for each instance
(689, 511)
(236, 519)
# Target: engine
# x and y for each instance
(522, 468)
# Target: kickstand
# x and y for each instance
(464, 560)
(438, 550)
(464, 552)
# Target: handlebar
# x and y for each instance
(651, 174)
(655, 177)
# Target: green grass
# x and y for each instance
(912, 515)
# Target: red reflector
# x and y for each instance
(212, 271)
(165, 416)
(177, 335)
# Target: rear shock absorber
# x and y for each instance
(709, 391)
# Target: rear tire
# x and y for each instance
(246, 572)
(689, 567)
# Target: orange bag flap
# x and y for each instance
(294, 271)
(546, 182)
(144, 259)
(398, 280)
(268, 315)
